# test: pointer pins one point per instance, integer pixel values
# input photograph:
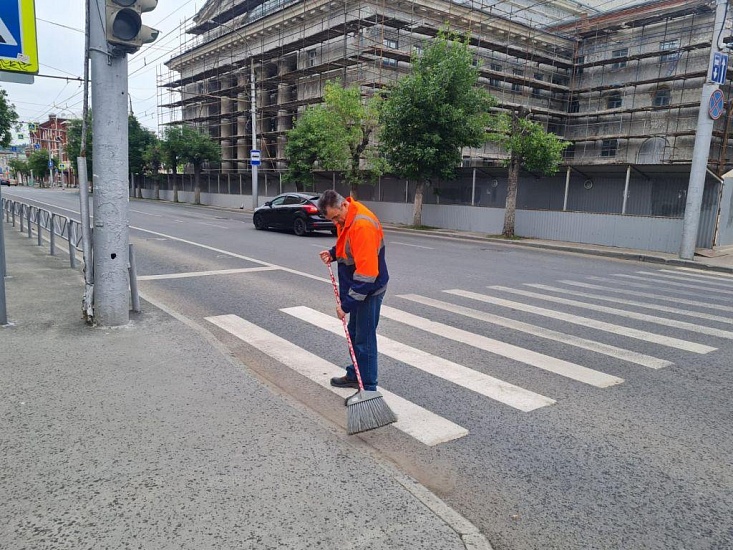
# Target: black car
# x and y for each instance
(294, 211)
(3, 181)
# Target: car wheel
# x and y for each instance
(257, 220)
(299, 227)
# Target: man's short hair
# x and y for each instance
(330, 199)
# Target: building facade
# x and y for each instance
(622, 84)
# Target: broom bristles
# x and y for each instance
(367, 410)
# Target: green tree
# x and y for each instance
(8, 119)
(171, 147)
(38, 163)
(431, 114)
(20, 168)
(153, 157)
(336, 135)
(196, 148)
(529, 146)
(73, 142)
(139, 139)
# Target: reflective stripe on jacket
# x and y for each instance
(359, 252)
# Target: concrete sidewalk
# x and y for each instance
(150, 437)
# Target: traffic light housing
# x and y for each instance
(125, 30)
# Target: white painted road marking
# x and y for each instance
(645, 305)
(689, 285)
(598, 347)
(674, 299)
(621, 313)
(423, 425)
(412, 245)
(588, 322)
(204, 273)
(528, 357)
(488, 386)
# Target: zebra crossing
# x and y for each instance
(644, 290)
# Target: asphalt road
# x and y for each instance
(570, 417)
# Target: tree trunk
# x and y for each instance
(511, 198)
(354, 190)
(156, 190)
(417, 210)
(196, 184)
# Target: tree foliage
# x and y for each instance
(73, 142)
(139, 139)
(432, 113)
(184, 144)
(38, 163)
(8, 119)
(19, 167)
(335, 135)
(529, 147)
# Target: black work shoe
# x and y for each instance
(343, 382)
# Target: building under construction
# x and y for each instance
(621, 82)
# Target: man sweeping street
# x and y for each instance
(362, 277)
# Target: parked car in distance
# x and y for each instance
(297, 212)
(4, 181)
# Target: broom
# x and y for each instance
(365, 410)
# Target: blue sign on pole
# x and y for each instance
(255, 157)
(36, 145)
(716, 105)
(720, 68)
(50, 164)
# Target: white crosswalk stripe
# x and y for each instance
(413, 420)
(528, 357)
(645, 305)
(650, 295)
(569, 339)
(621, 313)
(653, 279)
(588, 322)
(687, 277)
(696, 273)
(488, 386)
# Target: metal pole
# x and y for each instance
(53, 235)
(253, 110)
(3, 272)
(701, 151)
(72, 248)
(133, 282)
(111, 198)
(29, 213)
(86, 239)
(567, 190)
(3, 269)
(626, 188)
(473, 188)
(38, 225)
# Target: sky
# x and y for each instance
(60, 29)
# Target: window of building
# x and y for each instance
(614, 101)
(537, 92)
(662, 97)
(623, 52)
(517, 87)
(574, 106)
(579, 61)
(560, 80)
(389, 62)
(389, 43)
(608, 147)
(569, 151)
(494, 81)
(669, 46)
(311, 58)
(417, 51)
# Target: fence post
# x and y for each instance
(53, 234)
(133, 281)
(30, 225)
(21, 214)
(38, 225)
(13, 213)
(72, 250)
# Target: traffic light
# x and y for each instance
(125, 30)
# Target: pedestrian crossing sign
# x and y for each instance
(18, 44)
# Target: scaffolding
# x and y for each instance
(623, 86)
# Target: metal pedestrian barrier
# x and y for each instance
(55, 225)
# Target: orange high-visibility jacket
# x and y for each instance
(359, 252)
